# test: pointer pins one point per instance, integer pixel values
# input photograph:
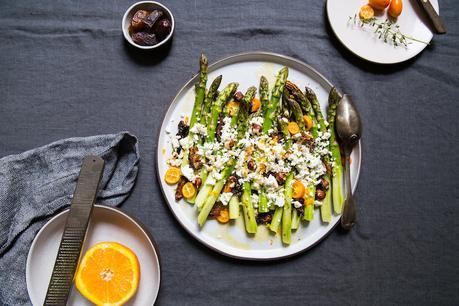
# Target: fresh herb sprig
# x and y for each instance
(386, 30)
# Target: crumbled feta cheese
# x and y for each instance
(188, 172)
(225, 197)
(199, 129)
(297, 204)
(186, 143)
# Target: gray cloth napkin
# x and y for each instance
(37, 184)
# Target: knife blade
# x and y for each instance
(433, 16)
(75, 229)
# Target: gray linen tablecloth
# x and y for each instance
(66, 71)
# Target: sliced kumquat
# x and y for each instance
(366, 12)
(223, 217)
(172, 175)
(293, 128)
(256, 104)
(308, 122)
(188, 190)
(298, 190)
(233, 107)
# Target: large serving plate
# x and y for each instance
(231, 239)
(366, 45)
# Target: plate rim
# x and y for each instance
(245, 56)
(117, 210)
(367, 59)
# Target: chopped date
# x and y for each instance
(178, 193)
(300, 211)
(137, 20)
(144, 38)
(280, 177)
(265, 218)
(152, 18)
(215, 211)
(195, 159)
(163, 28)
(238, 96)
(218, 132)
(183, 129)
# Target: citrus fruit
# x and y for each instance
(172, 175)
(108, 274)
(188, 190)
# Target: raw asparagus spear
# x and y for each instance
(234, 207)
(217, 106)
(211, 95)
(264, 94)
(200, 91)
(275, 98)
(308, 110)
(214, 194)
(287, 211)
(247, 208)
(337, 180)
(277, 218)
(325, 208)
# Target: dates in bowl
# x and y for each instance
(148, 24)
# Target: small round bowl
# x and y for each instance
(148, 6)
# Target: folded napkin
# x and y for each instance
(37, 184)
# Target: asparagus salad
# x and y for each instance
(267, 155)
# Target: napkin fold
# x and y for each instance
(37, 184)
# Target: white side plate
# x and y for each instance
(366, 45)
(231, 239)
(107, 224)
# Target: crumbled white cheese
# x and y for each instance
(188, 172)
(225, 197)
(199, 129)
(297, 204)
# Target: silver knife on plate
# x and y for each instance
(75, 229)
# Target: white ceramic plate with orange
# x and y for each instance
(107, 224)
(365, 44)
(231, 239)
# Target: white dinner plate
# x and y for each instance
(365, 44)
(231, 239)
(107, 224)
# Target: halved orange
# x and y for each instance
(108, 274)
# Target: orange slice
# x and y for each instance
(172, 175)
(108, 274)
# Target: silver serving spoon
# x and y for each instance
(349, 129)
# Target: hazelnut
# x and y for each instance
(251, 165)
(256, 128)
(324, 183)
(320, 194)
(198, 182)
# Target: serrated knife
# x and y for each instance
(433, 16)
(75, 229)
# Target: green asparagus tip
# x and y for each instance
(203, 59)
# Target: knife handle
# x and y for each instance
(433, 16)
